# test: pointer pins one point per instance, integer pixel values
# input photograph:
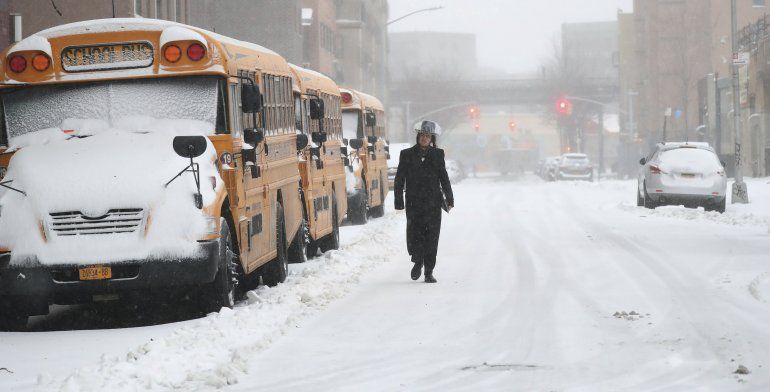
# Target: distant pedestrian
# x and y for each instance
(422, 170)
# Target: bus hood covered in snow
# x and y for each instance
(91, 177)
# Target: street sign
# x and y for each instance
(741, 58)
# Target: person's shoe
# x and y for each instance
(416, 271)
(429, 278)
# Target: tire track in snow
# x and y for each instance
(215, 351)
(677, 285)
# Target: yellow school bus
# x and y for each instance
(363, 126)
(318, 116)
(140, 156)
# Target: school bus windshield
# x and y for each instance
(350, 125)
(124, 104)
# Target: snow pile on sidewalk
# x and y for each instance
(754, 214)
(215, 351)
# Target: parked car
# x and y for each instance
(395, 153)
(575, 166)
(549, 168)
(688, 174)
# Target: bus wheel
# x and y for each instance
(12, 319)
(297, 248)
(332, 240)
(276, 270)
(358, 210)
(224, 287)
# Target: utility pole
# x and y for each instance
(601, 143)
(740, 192)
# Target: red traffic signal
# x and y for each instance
(512, 125)
(477, 126)
(473, 111)
(563, 106)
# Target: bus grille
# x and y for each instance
(115, 221)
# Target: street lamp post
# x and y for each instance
(415, 12)
(740, 192)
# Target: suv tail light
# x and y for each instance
(656, 170)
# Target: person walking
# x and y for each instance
(422, 171)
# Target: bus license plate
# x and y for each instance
(95, 273)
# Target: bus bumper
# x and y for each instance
(35, 286)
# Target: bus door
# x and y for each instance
(254, 222)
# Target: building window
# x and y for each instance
(759, 3)
(158, 7)
(138, 7)
(177, 8)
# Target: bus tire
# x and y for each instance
(12, 319)
(277, 270)
(299, 245)
(332, 240)
(358, 209)
(222, 291)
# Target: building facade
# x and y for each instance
(362, 25)
(426, 55)
(591, 50)
(321, 44)
(683, 55)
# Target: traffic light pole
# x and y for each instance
(740, 192)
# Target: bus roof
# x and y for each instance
(245, 54)
(312, 80)
(362, 100)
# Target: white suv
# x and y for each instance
(689, 174)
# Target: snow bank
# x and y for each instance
(215, 351)
(113, 169)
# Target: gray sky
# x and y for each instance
(512, 35)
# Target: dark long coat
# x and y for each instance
(424, 181)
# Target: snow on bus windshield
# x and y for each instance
(42, 107)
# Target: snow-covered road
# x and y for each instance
(542, 286)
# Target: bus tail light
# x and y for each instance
(196, 52)
(347, 98)
(172, 53)
(18, 64)
(41, 62)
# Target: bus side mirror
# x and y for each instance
(251, 98)
(642, 161)
(189, 146)
(253, 136)
(346, 161)
(302, 141)
(372, 139)
(344, 151)
(319, 137)
(356, 143)
(371, 119)
(317, 110)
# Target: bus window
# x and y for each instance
(3, 132)
(298, 115)
(235, 108)
(221, 125)
(350, 125)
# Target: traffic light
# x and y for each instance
(512, 125)
(563, 106)
(477, 127)
(473, 111)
